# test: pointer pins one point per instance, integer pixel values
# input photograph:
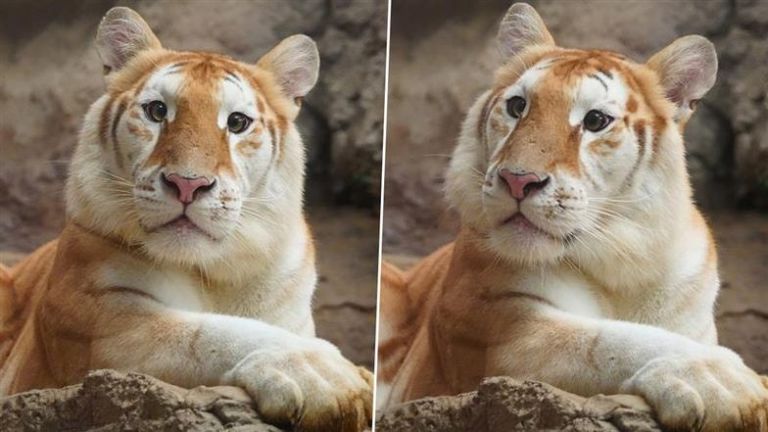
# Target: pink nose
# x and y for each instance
(521, 185)
(187, 187)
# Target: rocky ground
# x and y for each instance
(503, 404)
(110, 401)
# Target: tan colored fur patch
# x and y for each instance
(140, 131)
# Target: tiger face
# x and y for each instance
(194, 148)
(552, 155)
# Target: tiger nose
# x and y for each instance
(522, 184)
(187, 188)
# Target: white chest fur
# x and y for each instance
(282, 299)
(564, 288)
(173, 288)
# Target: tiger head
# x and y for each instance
(189, 154)
(570, 149)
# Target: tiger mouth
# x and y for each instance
(520, 222)
(181, 222)
(183, 225)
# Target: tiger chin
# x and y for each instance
(185, 254)
(582, 260)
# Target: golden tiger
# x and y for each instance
(582, 260)
(186, 254)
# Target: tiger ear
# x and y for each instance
(687, 69)
(521, 28)
(295, 64)
(121, 35)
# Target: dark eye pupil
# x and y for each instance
(595, 121)
(515, 106)
(156, 111)
(238, 122)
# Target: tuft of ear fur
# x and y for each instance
(687, 69)
(521, 28)
(122, 34)
(295, 63)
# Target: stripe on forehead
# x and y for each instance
(236, 95)
(164, 72)
(599, 79)
(593, 92)
(234, 79)
(574, 64)
(529, 79)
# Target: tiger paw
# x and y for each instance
(713, 392)
(310, 387)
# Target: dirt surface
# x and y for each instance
(503, 404)
(345, 300)
(109, 401)
(742, 307)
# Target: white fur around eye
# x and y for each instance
(590, 94)
(236, 96)
(527, 81)
(163, 85)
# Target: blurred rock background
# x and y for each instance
(50, 73)
(443, 55)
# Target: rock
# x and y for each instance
(113, 401)
(709, 141)
(504, 404)
(353, 48)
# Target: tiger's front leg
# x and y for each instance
(293, 380)
(691, 386)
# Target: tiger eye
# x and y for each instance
(516, 106)
(596, 121)
(238, 122)
(155, 111)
